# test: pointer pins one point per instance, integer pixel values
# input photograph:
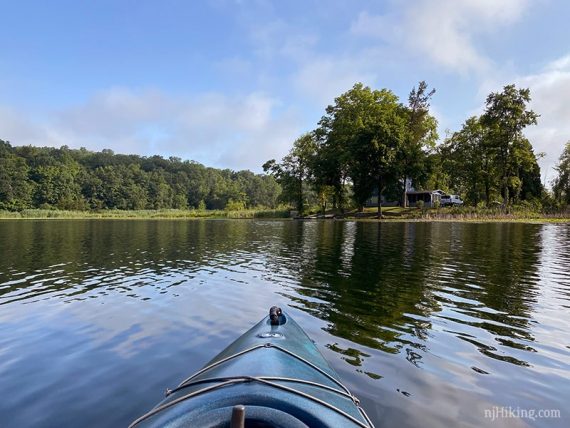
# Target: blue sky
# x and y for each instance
(232, 83)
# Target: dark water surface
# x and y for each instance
(429, 324)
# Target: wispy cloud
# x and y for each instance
(324, 77)
(549, 90)
(235, 132)
(272, 71)
(443, 31)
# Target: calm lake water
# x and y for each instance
(430, 324)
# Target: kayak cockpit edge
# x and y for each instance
(271, 376)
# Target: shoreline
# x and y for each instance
(258, 215)
(39, 214)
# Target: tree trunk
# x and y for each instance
(475, 192)
(341, 196)
(505, 194)
(506, 178)
(520, 186)
(380, 189)
(404, 198)
(300, 200)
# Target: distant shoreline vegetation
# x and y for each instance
(367, 146)
(50, 178)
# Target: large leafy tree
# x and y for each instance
(336, 130)
(561, 184)
(526, 183)
(363, 131)
(469, 161)
(506, 116)
(476, 168)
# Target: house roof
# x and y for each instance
(428, 192)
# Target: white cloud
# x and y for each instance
(217, 130)
(278, 38)
(549, 91)
(15, 127)
(317, 76)
(324, 78)
(442, 30)
(244, 131)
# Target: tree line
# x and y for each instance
(369, 141)
(64, 178)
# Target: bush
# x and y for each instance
(9, 214)
(235, 205)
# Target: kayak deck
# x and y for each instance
(276, 372)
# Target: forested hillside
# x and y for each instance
(64, 178)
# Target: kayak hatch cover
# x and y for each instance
(271, 376)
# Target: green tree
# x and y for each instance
(421, 135)
(16, 189)
(561, 184)
(526, 183)
(350, 114)
(469, 161)
(295, 170)
(506, 116)
(57, 187)
(329, 172)
(159, 192)
(476, 167)
(365, 130)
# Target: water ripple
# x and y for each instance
(458, 313)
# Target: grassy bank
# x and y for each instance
(142, 214)
(475, 214)
(463, 214)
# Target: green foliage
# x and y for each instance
(505, 118)
(235, 205)
(16, 190)
(295, 170)
(561, 184)
(360, 138)
(65, 179)
(368, 141)
(482, 165)
(421, 134)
